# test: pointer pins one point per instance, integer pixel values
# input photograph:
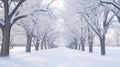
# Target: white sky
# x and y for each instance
(58, 7)
(59, 4)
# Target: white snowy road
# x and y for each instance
(59, 57)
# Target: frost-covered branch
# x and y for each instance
(91, 25)
(17, 18)
(16, 8)
(117, 6)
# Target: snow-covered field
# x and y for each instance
(61, 57)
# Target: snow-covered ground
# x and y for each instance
(61, 57)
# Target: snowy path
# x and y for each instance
(58, 57)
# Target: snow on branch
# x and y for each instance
(117, 6)
(15, 9)
(17, 18)
(91, 25)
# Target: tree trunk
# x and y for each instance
(45, 45)
(83, 47)
(37, 45)
(102, 44)
(79, 46)
(76, 46)
(5, 41)
(90, 47)
(42, 45)
(28, 45)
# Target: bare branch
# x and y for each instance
(15, 9)
(17, 18)
(109, 22)
(49, 6)
(91, 26)
(111, 4)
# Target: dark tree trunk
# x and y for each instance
(7, 26)
(41, 45)
(76, 46)
(45, 45)
(83, 47)
(5, 41)
(91, 47)
(79, 46)
(28, 45)
(102, 44)
(90, 40)
(37, 45)
(83, 44)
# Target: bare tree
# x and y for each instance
(46, 37)
(99, 29)
(77, 30)
(6, 23)
(113, 5)
(91, 36)
(31, 23)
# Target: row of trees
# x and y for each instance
(6, 22)
(84, 19)
(33, 17)
(96, 16)
(79, 33)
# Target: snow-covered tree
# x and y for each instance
(100, 23)
(46, 31)
(77, 30)
(113, 5)
(91, 36)
(97, 17)
(34, 19)
(6, 22)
